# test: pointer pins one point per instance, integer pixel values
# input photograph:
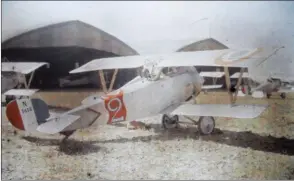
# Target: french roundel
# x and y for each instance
(235, 56)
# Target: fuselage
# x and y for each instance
(142, 98)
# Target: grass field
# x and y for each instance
(261, 148)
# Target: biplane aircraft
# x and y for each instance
(167, 85)
(14, 83)
(260, 85)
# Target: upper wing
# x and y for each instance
(220, 110)
(21, 67)
(218, 58)
(112, 63)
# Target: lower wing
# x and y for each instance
(20, 92)
(242, 111)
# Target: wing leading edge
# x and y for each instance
(21, 67)
(215, 58)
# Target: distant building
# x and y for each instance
(209, 44)
(66, 46)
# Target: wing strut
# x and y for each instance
(238, 84)
(102, 81)
(228, 84)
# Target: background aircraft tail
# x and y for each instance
(27, 114)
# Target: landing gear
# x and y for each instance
(206, 125)
(283, 95)
(170, 122)
(66, 134)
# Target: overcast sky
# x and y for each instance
(160, 27)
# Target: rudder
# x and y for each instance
(27, 114)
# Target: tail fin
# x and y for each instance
(27, 114)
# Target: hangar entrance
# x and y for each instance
(62, 60)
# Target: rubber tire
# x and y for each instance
(199, 123)
(164, 122)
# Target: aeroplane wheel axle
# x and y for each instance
(170, 122)
(206, 125)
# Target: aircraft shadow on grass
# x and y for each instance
(69, 147)
(244, 139)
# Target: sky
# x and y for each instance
(161, 26)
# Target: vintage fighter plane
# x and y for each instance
(164, 87)
(14, 76)
(262, 79)
(261, 84)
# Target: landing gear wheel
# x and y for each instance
(170, 122)
(206, 125)
(283, 95)
(268, 95)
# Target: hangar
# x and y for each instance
(66, 46)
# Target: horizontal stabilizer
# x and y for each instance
(237, 74)
(220, 110)
(20, 92)
(82, 107)
(211, 86)
(21, 67)
(58, 125)
(212, 74)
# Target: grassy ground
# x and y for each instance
(261, 148)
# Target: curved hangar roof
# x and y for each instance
(206, 44)
(65, 34)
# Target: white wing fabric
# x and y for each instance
(218, 58)
(248, 111)
(21, 92)
(21, 67)
(112, 63)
